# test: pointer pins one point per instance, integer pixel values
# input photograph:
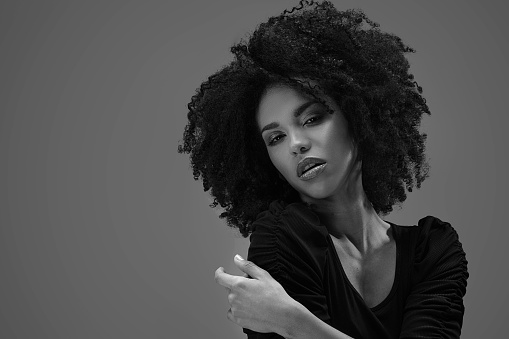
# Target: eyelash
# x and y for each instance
(273, 141)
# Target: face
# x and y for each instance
(297, 129)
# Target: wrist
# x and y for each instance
(296, 321)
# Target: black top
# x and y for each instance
(426, 299)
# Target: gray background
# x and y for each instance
(104, 233)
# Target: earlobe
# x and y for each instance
(357, 152)
(357, 156)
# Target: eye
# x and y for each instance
(313, 120)
(274, 139)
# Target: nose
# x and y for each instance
(299, 144)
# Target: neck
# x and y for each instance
(352, 220)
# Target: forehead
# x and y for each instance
(278, 101)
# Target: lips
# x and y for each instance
(308, 163)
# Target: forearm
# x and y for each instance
(302, 324)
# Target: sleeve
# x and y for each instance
(293, 253)
(434, 308)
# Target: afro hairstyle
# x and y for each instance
(346, 56)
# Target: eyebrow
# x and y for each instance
(298, 111)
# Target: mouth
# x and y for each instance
(310, 167)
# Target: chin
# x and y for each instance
(316, 193)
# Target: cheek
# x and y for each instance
(275, 158)
(279, 160)
(338, 136)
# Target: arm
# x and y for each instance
(291, 247)
(261, 304)
(434, 308)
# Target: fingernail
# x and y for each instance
(238, 257)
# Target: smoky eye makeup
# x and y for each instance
(311, 120)
(273, 139)
(316, 116)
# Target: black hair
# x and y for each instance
(351, 60)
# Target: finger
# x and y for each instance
(231, 298)
(224, 279)
(229, 315)
(249, 268)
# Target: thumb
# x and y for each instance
(249, 268)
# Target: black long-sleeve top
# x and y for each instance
(426, 299)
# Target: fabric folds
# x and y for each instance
(426, 300)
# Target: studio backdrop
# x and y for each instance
(103, 231)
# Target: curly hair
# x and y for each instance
(347, 56)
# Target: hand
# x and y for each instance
(260, 304)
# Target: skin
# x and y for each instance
(314, 133)
(363, 241)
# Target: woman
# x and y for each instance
(306, 139)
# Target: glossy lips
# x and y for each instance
(310, 167)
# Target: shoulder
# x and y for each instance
(287, 237)
(429, 236)
(289, 219)
(289, 242)
(436, 238)
(438, 280)
(436, 249)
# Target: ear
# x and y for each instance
(358, 156)
(357, 150)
